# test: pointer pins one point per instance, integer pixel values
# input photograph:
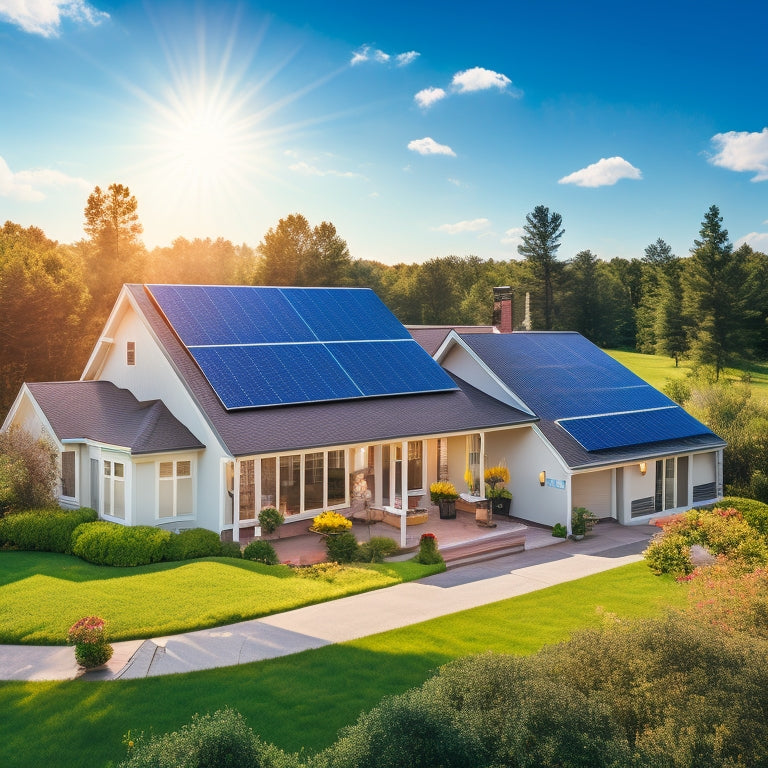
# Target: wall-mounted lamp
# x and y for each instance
(643, 468)
(542, 477)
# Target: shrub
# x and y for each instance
(231, 549)
(376, 549)
(91, 647)
(105, 543)
(261, 552)
(428, 552)
(28, 471)
(218, 740)
(559, 531)
(325, 571)
(43, 530)
(669, 553)
(331, 522)
(342, 547)
(754, 512)
(270, 519)
(195, 542)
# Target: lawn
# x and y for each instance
(656, 370)
(42, 594)
(301, 701)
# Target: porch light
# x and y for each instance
(542, 477)
(643, 468)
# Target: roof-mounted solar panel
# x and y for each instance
(277, 346)
(618, 430)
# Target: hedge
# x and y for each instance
(105, 543)
(754, 512)
(192, 543)
(44, 530)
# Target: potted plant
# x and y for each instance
(500, 498)
(444, 494)
(582, 521)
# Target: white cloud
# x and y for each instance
(28, 185)
(513, 236)
(479, 79)
(455, 182)
(756, 240)
(604, 173)
(366, 53)
(743, 151)
(311, 170)
(404, 59)
(474, 225)
(43, 17)
(428, 96)
(428, 146)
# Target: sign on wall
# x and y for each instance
(552, 483)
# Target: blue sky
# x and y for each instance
(419, 129)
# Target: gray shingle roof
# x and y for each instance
(314, 425)
(104, 413)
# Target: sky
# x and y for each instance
(420, 129)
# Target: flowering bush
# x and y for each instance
(443, 491)
(91, 647)
(497, 476)
(428, 553)
(331, 522)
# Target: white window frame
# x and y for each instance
(174, 479)
(110, 491)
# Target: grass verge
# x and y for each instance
(42, 594)
(301, 701)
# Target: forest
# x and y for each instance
(709, 306)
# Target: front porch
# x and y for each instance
(457, 538)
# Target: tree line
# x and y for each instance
(55, 297)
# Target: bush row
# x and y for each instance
(45, 530)
(79, 533)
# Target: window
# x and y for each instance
(175, 491)
(114, 489)
(68, 474)
(130, 353)
(415, 465)
(671, 489)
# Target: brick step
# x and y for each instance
(488, 548)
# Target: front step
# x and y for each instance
(487, 548)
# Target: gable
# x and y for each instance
(261, 347)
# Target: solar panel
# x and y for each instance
(619, 430)
(276, 346)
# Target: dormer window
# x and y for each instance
(130, 353)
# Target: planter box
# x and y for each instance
(413, 517)
(447, 510)
(467, 503)
(501, 506)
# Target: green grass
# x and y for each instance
(302, 700)
(42, 594)
(657, 370)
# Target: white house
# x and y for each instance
(202, 404)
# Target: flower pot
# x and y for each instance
(447, 509)
(501, 506)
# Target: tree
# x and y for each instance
(293, 253)
(28, 471)
(716, 296)
(669, 325)
(115, 255)
(654, 264)
(199, 262)
(539, 247)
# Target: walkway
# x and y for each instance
(609, 546)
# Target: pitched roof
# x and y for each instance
(432, 336)
(593, 409)
(314, 425)
(104, 413)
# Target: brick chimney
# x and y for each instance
(502, 309)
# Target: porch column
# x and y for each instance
(404, 495)
(236, 504)
(568, 500)
(482, 465)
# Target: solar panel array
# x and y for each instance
(565, 378)
(278, 346)
(619, 430)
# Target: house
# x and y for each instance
(200, 405)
